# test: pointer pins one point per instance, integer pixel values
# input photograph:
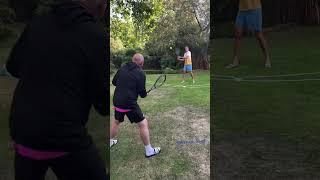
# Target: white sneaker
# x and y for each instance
(268, 65)
(156, 150)
(194, 81)
(113, 142)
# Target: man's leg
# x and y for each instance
(236, 48)
(144, 132)
(183, 76)
(237, 45)
(83, 165)
(192, 76)
(145, 137)
(263, 45)
(28, 169)
(114, 128)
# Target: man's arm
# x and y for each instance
(14, 62)
(115, 78)
(142, 86)
(99, 73)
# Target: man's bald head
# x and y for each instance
(138, 59)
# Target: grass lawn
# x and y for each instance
(96, 123)
(267, 130)
(178, 117)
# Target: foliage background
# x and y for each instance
(156, 28)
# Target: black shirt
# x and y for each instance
(130, 82)
(61, 63)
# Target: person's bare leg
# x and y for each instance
(183, 76)
(114, 129)
(144, 132)
(263, 45)
(114, 132)
(145, 137)
(191, 73)
(237, 45)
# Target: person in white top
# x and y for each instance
(187, 64)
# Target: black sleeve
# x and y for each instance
(14, 62)
(142, 86)
(115, 78)
(99, 73)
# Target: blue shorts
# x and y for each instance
(251, 20)
(187, 68)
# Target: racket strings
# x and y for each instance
(159, 82)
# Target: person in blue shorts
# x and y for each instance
(249, 18)
(187, 64)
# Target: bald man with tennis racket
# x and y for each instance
(130, 83)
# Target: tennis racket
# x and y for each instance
(159, 82)
(177, 51)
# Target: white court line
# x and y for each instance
(255, 76)
(194, 86)
(266, 80)
(217, 77)
(284, 75)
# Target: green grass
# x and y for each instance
(96, 125)
(268, 129)
(175, 113)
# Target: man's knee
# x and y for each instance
(259, 35)
(143, 123)
(237, 35)
(117, 122)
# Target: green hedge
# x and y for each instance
(171, 71)
(152, 62)
(7, 15)
(5, 31)
(4, 72)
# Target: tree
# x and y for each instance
(132, 21)
(181, 26)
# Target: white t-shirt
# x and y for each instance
(187, 54)
(188, 60)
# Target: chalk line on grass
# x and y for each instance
(258, 79)
(193, 86)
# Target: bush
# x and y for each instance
(121, 57)
(42, 10)
(44, 7)
(113, 68)
(4, 72)
(169, 71)
(168, 61)
(5, 31)
(7, 15)
(152, 62)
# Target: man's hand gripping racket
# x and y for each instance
(159, 82)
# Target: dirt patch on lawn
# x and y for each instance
(192, 136)
(264, 158)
